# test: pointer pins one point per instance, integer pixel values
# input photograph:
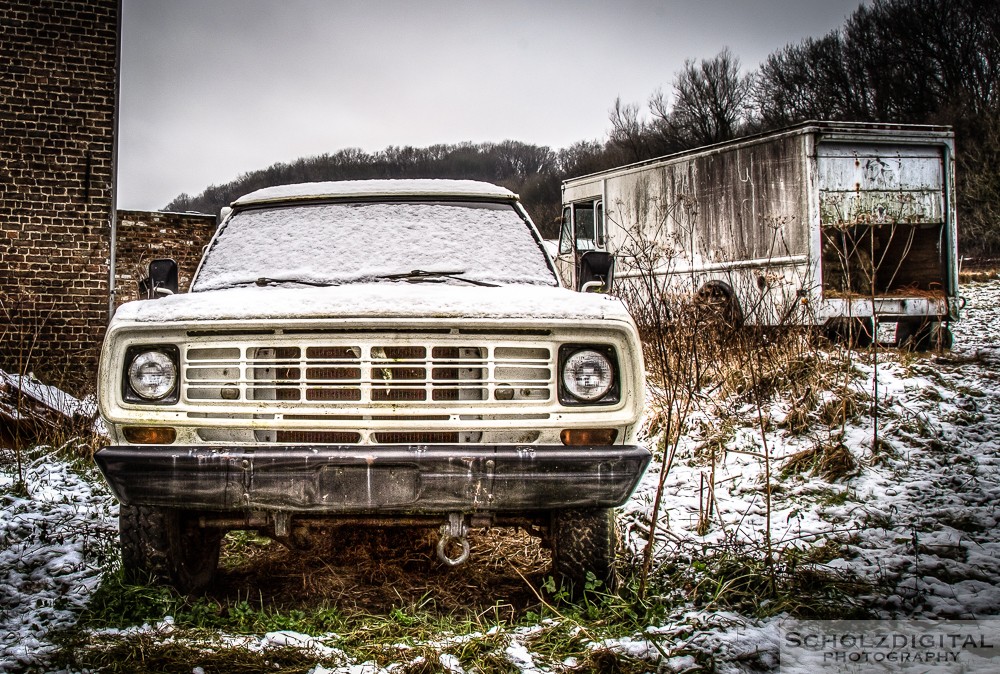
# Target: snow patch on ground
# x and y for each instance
(52, 544)
(922, 509)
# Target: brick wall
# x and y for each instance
(57, 106)
(145, 236)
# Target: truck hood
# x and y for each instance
(377, 300)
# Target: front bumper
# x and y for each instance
(330, 480)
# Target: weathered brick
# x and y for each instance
(57, 101)
(144, 236)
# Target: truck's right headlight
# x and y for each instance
(151, 374)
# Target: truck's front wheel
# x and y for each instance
(584, 541)
(167, 546)
(717, 303)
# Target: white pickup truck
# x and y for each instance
(370, 353)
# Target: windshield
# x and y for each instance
(336, 243)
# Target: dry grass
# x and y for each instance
(847, 404)
(831, 461)
(606, 661)
(979, 276)
(373, 571)
(782, 370)
(798, 420)
(979, 271)
(907, 291)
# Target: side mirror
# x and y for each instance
(597, 272)
(160, 281)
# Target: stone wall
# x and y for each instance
(145, 236)
(57, 125)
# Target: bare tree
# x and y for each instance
(586, 156)
(922, 58)
(629, 134)
(810, 80)
(711, 102)
(978, 176)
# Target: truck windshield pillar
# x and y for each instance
(584, 221)
(566, 232)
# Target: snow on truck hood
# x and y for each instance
(377, 300)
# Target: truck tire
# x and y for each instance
(143, 537)
(584, 541)
(161, 545)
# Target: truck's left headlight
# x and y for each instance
(589, 375)
(151, 374)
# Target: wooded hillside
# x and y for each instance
(902, 61)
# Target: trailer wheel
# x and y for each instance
(162, 545)
(855, 333)
(923, 335)
(716, 302)
(584, 541)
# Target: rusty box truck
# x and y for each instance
(837, 225)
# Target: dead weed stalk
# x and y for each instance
(739, 363)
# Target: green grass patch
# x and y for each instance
(414, 636)
(741, 578)
(124, 629)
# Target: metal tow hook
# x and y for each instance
(453, 531)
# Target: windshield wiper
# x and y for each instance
(267, 281)
(419, 275)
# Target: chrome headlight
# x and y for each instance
(588, 376)
(151, 375)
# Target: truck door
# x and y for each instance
(582, 231)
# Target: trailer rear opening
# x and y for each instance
(883, 216)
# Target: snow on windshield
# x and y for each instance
(350, 242)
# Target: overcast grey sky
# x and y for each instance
(212, 89)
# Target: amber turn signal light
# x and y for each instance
(150, 435)
(588, 436)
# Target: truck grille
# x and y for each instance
(324, 376)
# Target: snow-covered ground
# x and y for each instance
(917, 516)
(54, 543)
(920, 513)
